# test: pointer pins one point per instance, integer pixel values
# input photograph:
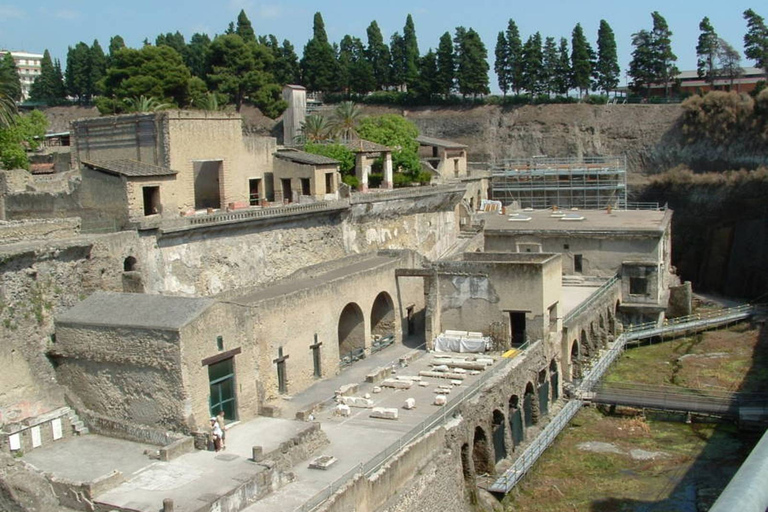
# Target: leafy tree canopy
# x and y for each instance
(338, 152)
(25, 133)
(399, 134)
(9, 77)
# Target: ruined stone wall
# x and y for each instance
(49, 229)
(37, 281)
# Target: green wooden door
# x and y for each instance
(221, 377)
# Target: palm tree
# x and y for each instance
(345, 118)
(210, 102)
(144, 104)
(315, 128)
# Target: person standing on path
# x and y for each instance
(220, 421)
(216, 434)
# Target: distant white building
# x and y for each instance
(28, 65)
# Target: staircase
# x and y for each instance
(78, 427)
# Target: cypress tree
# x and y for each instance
(97, 67)
(9, 77)
(501, 63)
(607, 70)
(471, 63)
(446, 65)
(319, 65)
(515, 57)
(706, 51)
(244, 28)
(756, 39)
(427, 85)
(378, 55)
(411, 50)
(581, 60)
(561, 81)
(48, 86)
(533, 65)
(397, 59)
(663, 57)
(550, 65)
(641, 67)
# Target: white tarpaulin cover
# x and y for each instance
(461, 341)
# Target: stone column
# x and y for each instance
(361, 171)
(387, 183)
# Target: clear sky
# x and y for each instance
(35, 26)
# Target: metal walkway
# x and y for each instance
(685, 325)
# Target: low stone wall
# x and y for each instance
(299, 448)
(45, 229)
(79, 495)
(35, 430)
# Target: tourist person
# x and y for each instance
(216, 434)
(223, 427)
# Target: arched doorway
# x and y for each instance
(585, 347)
(351, 333)
(481, 453)
(383, 319)
(575, 360)
(466, 467)
(611, 322)
(129, 264)
(499, 446)
(516, 421)
(530, 411)
(554, 380)
(602, 332)
(593, 340)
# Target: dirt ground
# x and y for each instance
(653, 462)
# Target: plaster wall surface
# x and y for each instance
(294, 171)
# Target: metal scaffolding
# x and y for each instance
(542, 182)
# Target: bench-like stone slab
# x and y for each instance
(397, 384)
(384, 413)
(356, 401)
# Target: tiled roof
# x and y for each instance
(302, 157)
(130, 168)
(365, 146)
(440, 143)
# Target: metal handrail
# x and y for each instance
(591, 299)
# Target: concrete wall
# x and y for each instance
(294, 171)
(169, 199)
(131, 136)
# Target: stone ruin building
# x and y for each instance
(183, 268)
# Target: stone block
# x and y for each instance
(384, 413)
(378, 374)
(323, 462)
(423, 384)
(410, 403)
(440, 400)
(356, 401)
(456, 382)
(376, 389)
(443, 391)
(347, 389)
(397, 384)
(414, 378)
(342, 410)
(270, 411)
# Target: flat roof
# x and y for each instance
(289, 285)
(112, 309)
(129, 168)
(571, 297)
(365, 146)
(303, 157)
(630, 221)
(440, 143)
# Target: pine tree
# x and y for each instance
(551, 59)
(378, 55)
(357, 71)
(427, 84)
(78, 72)
(48, 86)
(174, 40)
(397, 58)
(446, 65)
(97, 67)
(244, 28)
(115, 43)
(581, 60)
(319, 65)
(471, 63)
(756, 39)
(515, 57)
(607, 70)
(663, 57)
(501, 63)
(9, 77)
(411, 50)
(197, 55)
(706, 52)
(533, 66)
(286, 67)
(641, 67)
(728, 62)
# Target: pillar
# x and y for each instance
(361, 171)
(388, 182)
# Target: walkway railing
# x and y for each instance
(403, 193)
(599, 293)
(692, 323)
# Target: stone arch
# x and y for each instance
(466, 464)
(543, 391)
(575, 360)
(611, 322)
(516, 426)
(383, 315)
(594, 342)
(499, 436)
(351, 331)
(530, 407)
(129, 264)
(554, 379)
(584, 346)
(481, 453)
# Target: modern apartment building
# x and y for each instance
(28, 65)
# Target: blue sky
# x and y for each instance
(35, 26)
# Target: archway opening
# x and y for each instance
(543, 392)
(554, 380)
(466, 468)
(611, 322)
(351, 334)
(585, 347)
(593, 340)
(129, 264)
(530, 411)
(499, 433)
(575, 360)
(602, 332)
(382, 321)
(481, 453)
(516, 421)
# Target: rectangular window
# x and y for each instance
(638, 286)
(305, 189)
(577, 263)
(287, 192)
(151, 196)
(329, 183)
(253, 191)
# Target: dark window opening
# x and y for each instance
(329, 183)
(282, 376)
(207, 176)
(517, 327)
(287, 192)
(305, 189)
(553, 317)
(253, 191)
(129, 264)
(220, 342)
(151, 196)
(316, 358)
(577, 263)
(566, 246)
(638, 286)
